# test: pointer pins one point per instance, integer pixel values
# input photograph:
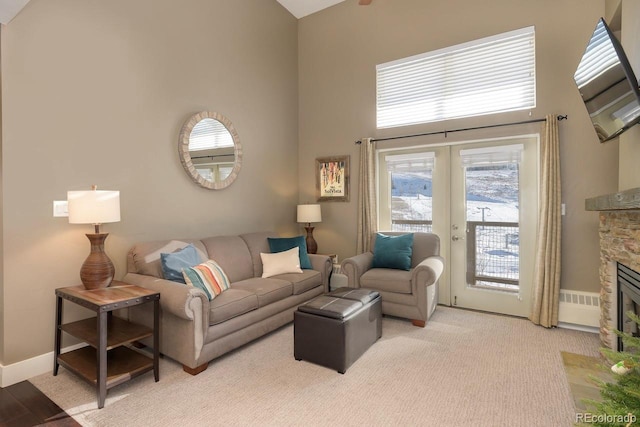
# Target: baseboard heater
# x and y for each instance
(579, 308)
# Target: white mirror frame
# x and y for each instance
(185, 156)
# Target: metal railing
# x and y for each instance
(493, 255)
(414, 225)
(493, 251)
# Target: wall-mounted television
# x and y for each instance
(608, 85)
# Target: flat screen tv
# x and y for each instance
(608, 85)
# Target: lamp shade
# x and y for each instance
(309, 213)
(93, 207)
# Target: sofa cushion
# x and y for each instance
(173, 263)
(267, 290)
(232, 254)
(386, 279)
(281, 244)
(208, 277)
(393, 251)
(309, 279)
(231, 303)
(257, 243)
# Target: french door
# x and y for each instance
(481, 199)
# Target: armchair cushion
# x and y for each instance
(387, 280)
(393, 251)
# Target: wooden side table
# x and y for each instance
(107, 334)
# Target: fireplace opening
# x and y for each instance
(628, 300)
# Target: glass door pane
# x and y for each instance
(412, 201)
(493, 232)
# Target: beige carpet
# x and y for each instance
(464, 368)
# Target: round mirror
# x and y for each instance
(210, 150)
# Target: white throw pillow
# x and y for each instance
(281, 262)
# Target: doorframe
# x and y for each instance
(444, 291)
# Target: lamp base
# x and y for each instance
(97, 271)
(312, 246)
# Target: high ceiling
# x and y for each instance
(10, 8)
(298, 8)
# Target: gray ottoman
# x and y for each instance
(335, 329)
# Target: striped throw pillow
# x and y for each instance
(207, 276)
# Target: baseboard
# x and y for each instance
(25, 369)
(581, 309)
(581, 328)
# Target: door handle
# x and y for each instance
(456, 238)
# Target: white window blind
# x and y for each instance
(491, 155)
(208, 134)
(490, 75)
(416, 162)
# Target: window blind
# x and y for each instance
(491, 155)
(416, 162)
(208, 134)
(490, 75)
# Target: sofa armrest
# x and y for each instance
(355, 267)
(175, 298)
(323, 264)
(427, 272)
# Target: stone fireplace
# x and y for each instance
(619, 243)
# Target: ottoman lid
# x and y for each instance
(328, 306)
(357, 294)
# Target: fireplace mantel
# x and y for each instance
(624, 200)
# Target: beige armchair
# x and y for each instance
(409, 294)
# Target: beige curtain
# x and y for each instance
(367, 205)
(546, 285)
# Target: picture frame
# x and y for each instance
(332, 179)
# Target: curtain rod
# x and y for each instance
(445, 132)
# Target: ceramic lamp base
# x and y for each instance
(97, 270)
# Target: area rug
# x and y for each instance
(463, 368)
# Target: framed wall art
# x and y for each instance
(332, 179)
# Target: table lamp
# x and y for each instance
(308, 214)
(95, 207)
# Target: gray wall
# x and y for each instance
(340, 47)
(95, 92)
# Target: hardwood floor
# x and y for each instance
(23, 405)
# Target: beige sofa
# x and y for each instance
(194, 330)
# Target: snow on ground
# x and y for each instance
(493, 193)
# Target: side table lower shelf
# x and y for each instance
(123, 364)
(108, 360)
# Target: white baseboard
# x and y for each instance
(582, 328)
(25, 369)
(580, 309)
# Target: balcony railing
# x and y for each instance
(411, 225)
(493, 255)
(493, 251)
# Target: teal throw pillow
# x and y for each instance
(393, 251)
(173, 263)
(281, 244)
